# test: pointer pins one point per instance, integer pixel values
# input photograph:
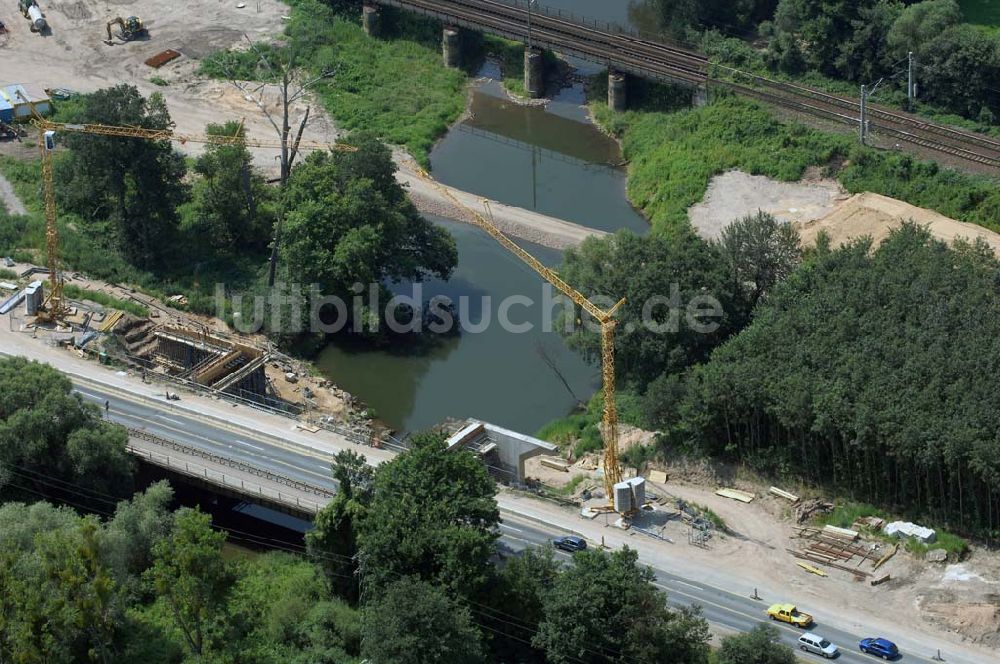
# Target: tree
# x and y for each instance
(514, 607)
(279, 610)
(127, 187)
(433, 516)
(281, 66)
(605, 608)
(412, 622)
(759, 251)
(58, 602)
(350, 222)
(51, 443)
(958, 66)
(660, 278)
(232, 203)
(870, 371)
(191, 577)
(333, 540)
(758, 646)
(136, 527)
(864, 56)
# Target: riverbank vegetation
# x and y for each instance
(346, 219)
(838, 46)
(399, 568)
(673, 155)
(863, 371)
(394, 86)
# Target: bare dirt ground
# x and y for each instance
(960, 598)
(876, 216)
(9, 198)
(736, 194)
(74, 57)
(817, 205)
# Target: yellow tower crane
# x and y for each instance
(612, 467)
(46, 134)
(55, 308)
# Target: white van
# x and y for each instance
(815, 643)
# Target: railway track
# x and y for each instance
(632, 54)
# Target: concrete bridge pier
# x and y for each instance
(451, 47)
(534, 72)
(700, 97)
(617, 97)
(369, 19)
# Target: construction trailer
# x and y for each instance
(21, 99)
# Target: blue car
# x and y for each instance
(879, 647)
(570, 543)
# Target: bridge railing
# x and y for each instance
(204, 472)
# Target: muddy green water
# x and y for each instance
(549, 160)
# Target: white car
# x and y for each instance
(817, 644)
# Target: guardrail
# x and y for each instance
(204, 472)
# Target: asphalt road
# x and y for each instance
(721, 608)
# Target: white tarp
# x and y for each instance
(907, 529)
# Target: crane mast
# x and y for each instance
(609, 424)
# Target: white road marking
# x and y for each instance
(240, 442)
(511, 528)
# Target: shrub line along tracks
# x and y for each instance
(628, 53)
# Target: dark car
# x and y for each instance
(879, 647)
(570, 543)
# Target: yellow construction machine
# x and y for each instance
(129, 28)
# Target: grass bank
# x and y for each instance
(984, 14)
(75, 292)
(674, 153)
(394, 86)
(845, 514)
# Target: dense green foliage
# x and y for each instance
(394, 88)
(129, 188)
(667, 284)
(412, 621)
(605, 607)
(760, 646)
(349, 221)
(855, 41)
(49, 437)
(674, 155)
(432, 515)
(233, 207)
(867, 371)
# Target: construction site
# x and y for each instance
(693, 513)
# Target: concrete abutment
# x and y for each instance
(451, 47)
(370, 19)
(534, 72)
(617, 94)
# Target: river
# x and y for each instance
(552, 160)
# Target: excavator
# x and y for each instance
(131, 28)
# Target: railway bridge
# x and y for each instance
(543, 28)
(625, 53)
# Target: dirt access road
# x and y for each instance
(74, 56)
